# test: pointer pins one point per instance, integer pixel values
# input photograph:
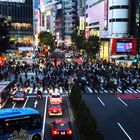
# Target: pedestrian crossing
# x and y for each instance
(31, 91)
(130, 90)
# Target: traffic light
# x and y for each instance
(1, 62)
(46, 50)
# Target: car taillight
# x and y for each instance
(69, 132)
(55, 132)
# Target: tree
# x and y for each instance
(46, 39)
(4, 35)
(92, 46)
(79, 41)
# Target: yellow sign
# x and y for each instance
(82, 23)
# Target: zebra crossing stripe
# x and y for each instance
(89, 89)
(138, 90)
(31, 91)
(41, 89)
(96, 91)
(111, 91)
(119, 90)
(133, 90)
(105, 91)
(129, 91)
(45, 91)
(100, 91)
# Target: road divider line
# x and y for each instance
(124, 131)
(122, 101)
(44, 119)
(101, 101)
(25, 102)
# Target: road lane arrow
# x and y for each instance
(35, 104)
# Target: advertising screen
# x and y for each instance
(124, 47)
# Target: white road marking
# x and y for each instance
(31, 91)
(44, 119)
(122, 101)
(124, 131)
(105, 91)
(138, 90)
(25, 102)
(45, 91)
(119, 90)
(35, 104)
(133, 90)
(14, 105)
(101, 101)
(89, 89)
(129, 91)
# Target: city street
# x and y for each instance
(117, 114)
(70, 69)
(117, 119)
(42, 106)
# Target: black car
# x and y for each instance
(19, 96)
(61, 128)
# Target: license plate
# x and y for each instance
(62, 133)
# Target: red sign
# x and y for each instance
(125, 40)
(86, 33)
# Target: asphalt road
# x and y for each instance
(117, 119)
(41, 106)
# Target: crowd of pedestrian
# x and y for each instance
(100, 74)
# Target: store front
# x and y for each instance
(104, 49)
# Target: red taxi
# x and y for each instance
(55, 109)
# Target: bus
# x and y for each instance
(20, 124)
(5, 89)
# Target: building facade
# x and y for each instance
(60, 18)
(81, 7)
(70, 19)
(111, 21)
(20, 13)
(135, 22)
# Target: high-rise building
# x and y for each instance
(135, 22)
(20, 13)
(51, 19)
(81, 7)
(110, 20)
(135, 18)
(70, 18)
(60, 18)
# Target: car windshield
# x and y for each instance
(55, 96)
(62, 126)
(55, 106)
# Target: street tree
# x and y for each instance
(92, 46)
(46, 39)
(5, 26)
(78, 40)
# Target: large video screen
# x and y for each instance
(124, 47)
